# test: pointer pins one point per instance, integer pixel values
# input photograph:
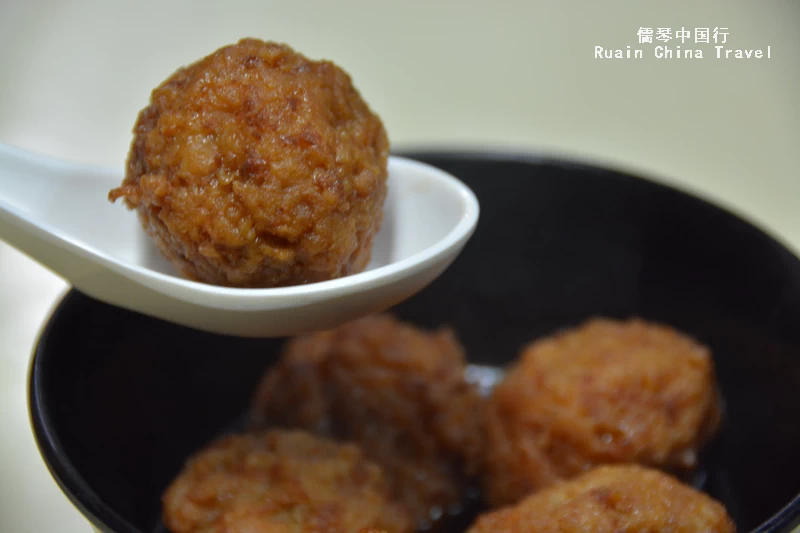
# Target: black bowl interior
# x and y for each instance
(120, 400)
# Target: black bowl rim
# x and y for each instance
(104, 518)
(72, 484)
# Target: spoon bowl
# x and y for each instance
(57, 213)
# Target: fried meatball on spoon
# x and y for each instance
(255, 267)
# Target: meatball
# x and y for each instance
(281, 481)
(612, 499)
(604, 392)
(397, 391)
(257, 167)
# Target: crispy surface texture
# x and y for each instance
(281, 482)
(257, 167)
(604, 392)
(612, 499)
(397, 391)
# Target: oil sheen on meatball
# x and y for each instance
(258, 167)
(612, 499)
(281, 482)
(397, 391)
(604, 392)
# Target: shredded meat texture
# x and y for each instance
(397, 391)
(605, 392)
(257, 167)
(612, 499)
(281, 482)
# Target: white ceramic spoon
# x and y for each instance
(58, 214)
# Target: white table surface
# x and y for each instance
(510, 74)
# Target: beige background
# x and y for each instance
(509, 74)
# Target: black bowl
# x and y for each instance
(119, 400)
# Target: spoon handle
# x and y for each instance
(38, 215)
